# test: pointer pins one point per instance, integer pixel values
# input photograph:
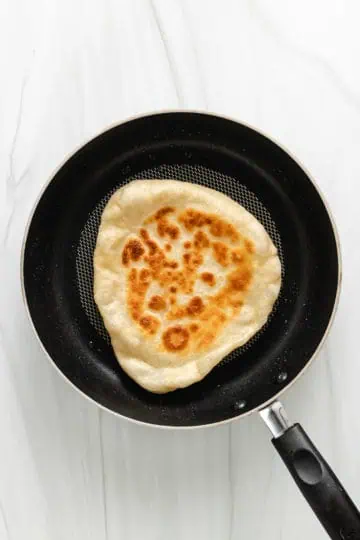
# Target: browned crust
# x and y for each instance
(208, 314)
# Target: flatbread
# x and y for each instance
(182, 276)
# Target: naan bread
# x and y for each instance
(182, 276)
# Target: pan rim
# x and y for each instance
(317, 189)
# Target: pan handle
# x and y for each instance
(314, 477)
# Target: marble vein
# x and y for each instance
(167, 50)
(10, 183)
(10, 180)
(4, 520)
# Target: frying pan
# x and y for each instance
(235, 159)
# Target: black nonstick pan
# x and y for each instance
(244, 164)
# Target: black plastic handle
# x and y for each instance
(319, 485)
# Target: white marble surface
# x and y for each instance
(68, 69)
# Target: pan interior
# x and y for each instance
(188, 173)
(209, 151)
